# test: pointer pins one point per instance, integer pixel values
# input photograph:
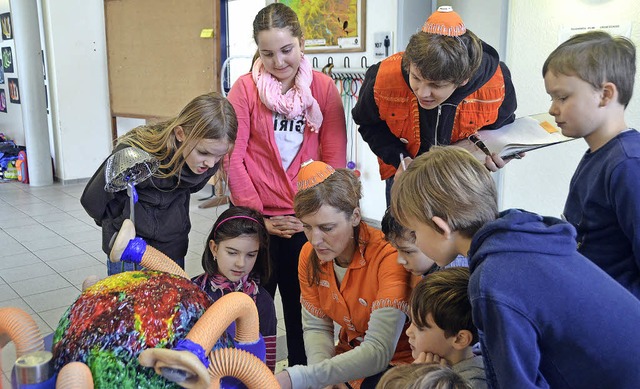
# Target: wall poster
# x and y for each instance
(5, 23)
(7, 60)
(331, 26)
(14, 90)
(3, 101)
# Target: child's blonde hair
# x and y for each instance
(208, 116)
(447, 182)
(422, 376)
(597, 57)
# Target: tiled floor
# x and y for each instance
(49, 245)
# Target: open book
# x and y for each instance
(524, 134)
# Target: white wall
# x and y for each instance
(488, 21)
(74, 43)
(540, 181)
(77, 64)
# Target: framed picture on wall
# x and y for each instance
(1, 74)
(3, 101)
(5, 23)
(14, 90)
(7, 60)
(331, 26)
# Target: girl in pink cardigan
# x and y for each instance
(287, 114)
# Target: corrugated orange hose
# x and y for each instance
(75, 375)
(219, 316)
(233, 306)
(17, 326)
(241, 365)
(154, 259)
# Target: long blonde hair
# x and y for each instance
(208, 116)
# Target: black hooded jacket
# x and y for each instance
(161, 213)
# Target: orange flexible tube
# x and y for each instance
(241, 365)
(75, 375)
(17, 326)
(235, 306)
(219, 316)
(154, 259)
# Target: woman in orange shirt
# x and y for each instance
(349, 275)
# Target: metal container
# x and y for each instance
(34, 367)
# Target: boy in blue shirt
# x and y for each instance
(590, 80)
(546, 316)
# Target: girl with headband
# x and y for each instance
(236, 259)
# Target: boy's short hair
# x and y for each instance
(447, 182)
(422, 376)
(597, 57)
(393, 231)
(444, 295)
(444, 58)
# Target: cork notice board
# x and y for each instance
(158, 56)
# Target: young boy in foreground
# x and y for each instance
(546, 316)
(441, 329)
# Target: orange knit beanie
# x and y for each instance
(312, 173)
(444, 22)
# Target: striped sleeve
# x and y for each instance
(270, 343)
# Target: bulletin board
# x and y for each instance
(161, 54)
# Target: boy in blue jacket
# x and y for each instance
(546, 316)
(590, 80)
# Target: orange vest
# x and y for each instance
(398, 107)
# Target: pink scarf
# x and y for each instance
(221, 285)
(296, 101)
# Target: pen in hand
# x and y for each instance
(476, 141)
(404, 166)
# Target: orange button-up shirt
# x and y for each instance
(373, 280)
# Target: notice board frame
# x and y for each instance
(160, 54)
